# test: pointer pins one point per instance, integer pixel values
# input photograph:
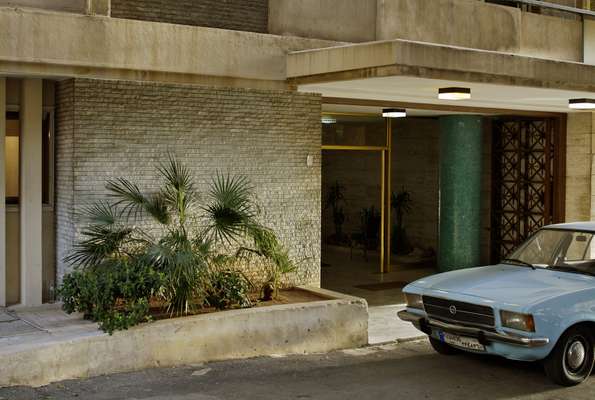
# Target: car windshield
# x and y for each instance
(563, 250)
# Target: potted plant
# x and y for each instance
(335, 200)
(401, 203)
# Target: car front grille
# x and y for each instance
(459, 312)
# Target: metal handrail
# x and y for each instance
(553, 6)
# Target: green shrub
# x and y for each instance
(227, 289)
(78, 292)
(115, 294)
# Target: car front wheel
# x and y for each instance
(571, 361)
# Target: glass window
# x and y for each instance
(12, 155)
(353, 130)
(578, 246)
(542, 248)
(47, 157)
(13, 158)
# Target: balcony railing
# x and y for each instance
(588, 9)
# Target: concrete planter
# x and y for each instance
(319, 326)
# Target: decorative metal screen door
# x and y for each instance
(524, 178)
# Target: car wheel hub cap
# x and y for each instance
(575, 356)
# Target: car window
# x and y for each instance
(560, 249)
(580, 247)
(543, 248)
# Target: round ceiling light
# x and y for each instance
(394, 113)
(581, 104)
(454, 93)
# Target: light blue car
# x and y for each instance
(539, 304)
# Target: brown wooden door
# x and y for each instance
(527, 179)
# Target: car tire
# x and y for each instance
(443, 348)
(572, 359)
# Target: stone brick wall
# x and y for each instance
(109, 129)
(64, 173)
(242, 15)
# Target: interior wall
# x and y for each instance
(359, 173)
(13, 270)
(11, 152)
(415, 168)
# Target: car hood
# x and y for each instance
(506, 284)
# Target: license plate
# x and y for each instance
(461, 341)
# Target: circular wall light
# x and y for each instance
(581, 104)
(394, 113)
(454, 93)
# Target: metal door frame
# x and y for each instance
(385, 183)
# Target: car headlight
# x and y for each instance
(414, 301)
(514, 320)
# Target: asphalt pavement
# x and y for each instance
(395, 371)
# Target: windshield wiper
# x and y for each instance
(566, 268)
(517, 261)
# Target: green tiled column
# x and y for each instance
(460, 191)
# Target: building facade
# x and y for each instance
(281, 91)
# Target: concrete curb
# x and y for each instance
(400, 341)
(337, 323)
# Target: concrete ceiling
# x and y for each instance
(411, 112)
(423, 90)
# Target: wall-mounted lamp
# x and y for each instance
(581, 104)
(394, 113)
(328, 120)
(454, 93)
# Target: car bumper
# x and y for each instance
(485, 337)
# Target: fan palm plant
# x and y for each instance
(191, 236)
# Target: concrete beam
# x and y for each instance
(72, 6)
(345, 20)
(465, 23)
(551, 37)
(31, 115)
(112, 48)
(426, 60)
(2, 194)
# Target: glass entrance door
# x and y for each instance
(365, 138)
